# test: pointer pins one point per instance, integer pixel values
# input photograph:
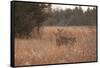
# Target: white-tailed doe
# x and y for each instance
(62, 39)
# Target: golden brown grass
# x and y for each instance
(45, 51)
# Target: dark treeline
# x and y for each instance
(33, 16)
(72, 17)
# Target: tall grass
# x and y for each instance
(45, 51)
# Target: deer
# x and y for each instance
(62, 39)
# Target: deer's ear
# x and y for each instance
(61, 30)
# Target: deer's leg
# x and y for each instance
(58, 42)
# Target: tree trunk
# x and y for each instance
(38, 29)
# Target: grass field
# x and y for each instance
(45, 51)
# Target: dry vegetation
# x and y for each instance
(45, 51)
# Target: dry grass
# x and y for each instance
(45, 51)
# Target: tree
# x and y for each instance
(90, 16)
(29, 16)
(78, 17)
